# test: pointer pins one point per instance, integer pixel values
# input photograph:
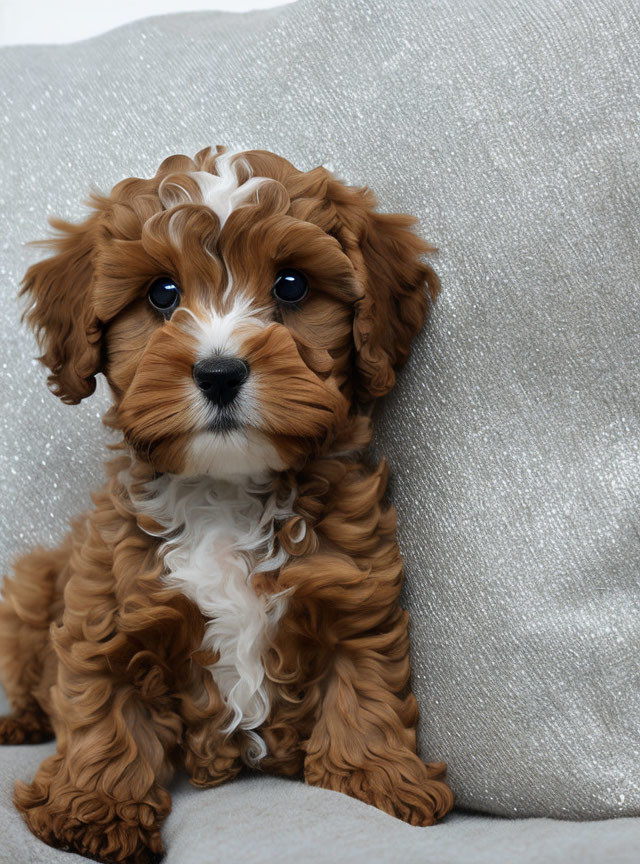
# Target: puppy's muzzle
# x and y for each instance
(220, 378)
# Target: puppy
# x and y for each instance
(231, 600)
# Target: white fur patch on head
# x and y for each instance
(223, 192)
(221, 534)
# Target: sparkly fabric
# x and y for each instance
(511, 129)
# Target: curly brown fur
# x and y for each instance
(121, 642)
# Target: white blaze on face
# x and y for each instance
(244, 451)
(219, 329)
(221, 332)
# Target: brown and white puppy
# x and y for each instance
(232, 598)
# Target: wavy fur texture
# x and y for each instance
(231, 600)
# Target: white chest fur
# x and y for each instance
(219, 535)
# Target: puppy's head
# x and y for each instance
(242, 311)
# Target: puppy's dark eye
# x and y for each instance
(291, 286)
(164, 294)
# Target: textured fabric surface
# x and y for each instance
(263, 819)
(511, 129)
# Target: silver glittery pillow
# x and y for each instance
(511, 129)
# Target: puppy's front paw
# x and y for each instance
(122, 833)
(402, 786)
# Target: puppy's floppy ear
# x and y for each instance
(396, 285)
(60, 309)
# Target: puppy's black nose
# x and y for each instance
(220, 378)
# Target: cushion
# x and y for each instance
(510, 129)
(289, 822)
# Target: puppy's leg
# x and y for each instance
(30, 601)
(103, 793)
(364, 741)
